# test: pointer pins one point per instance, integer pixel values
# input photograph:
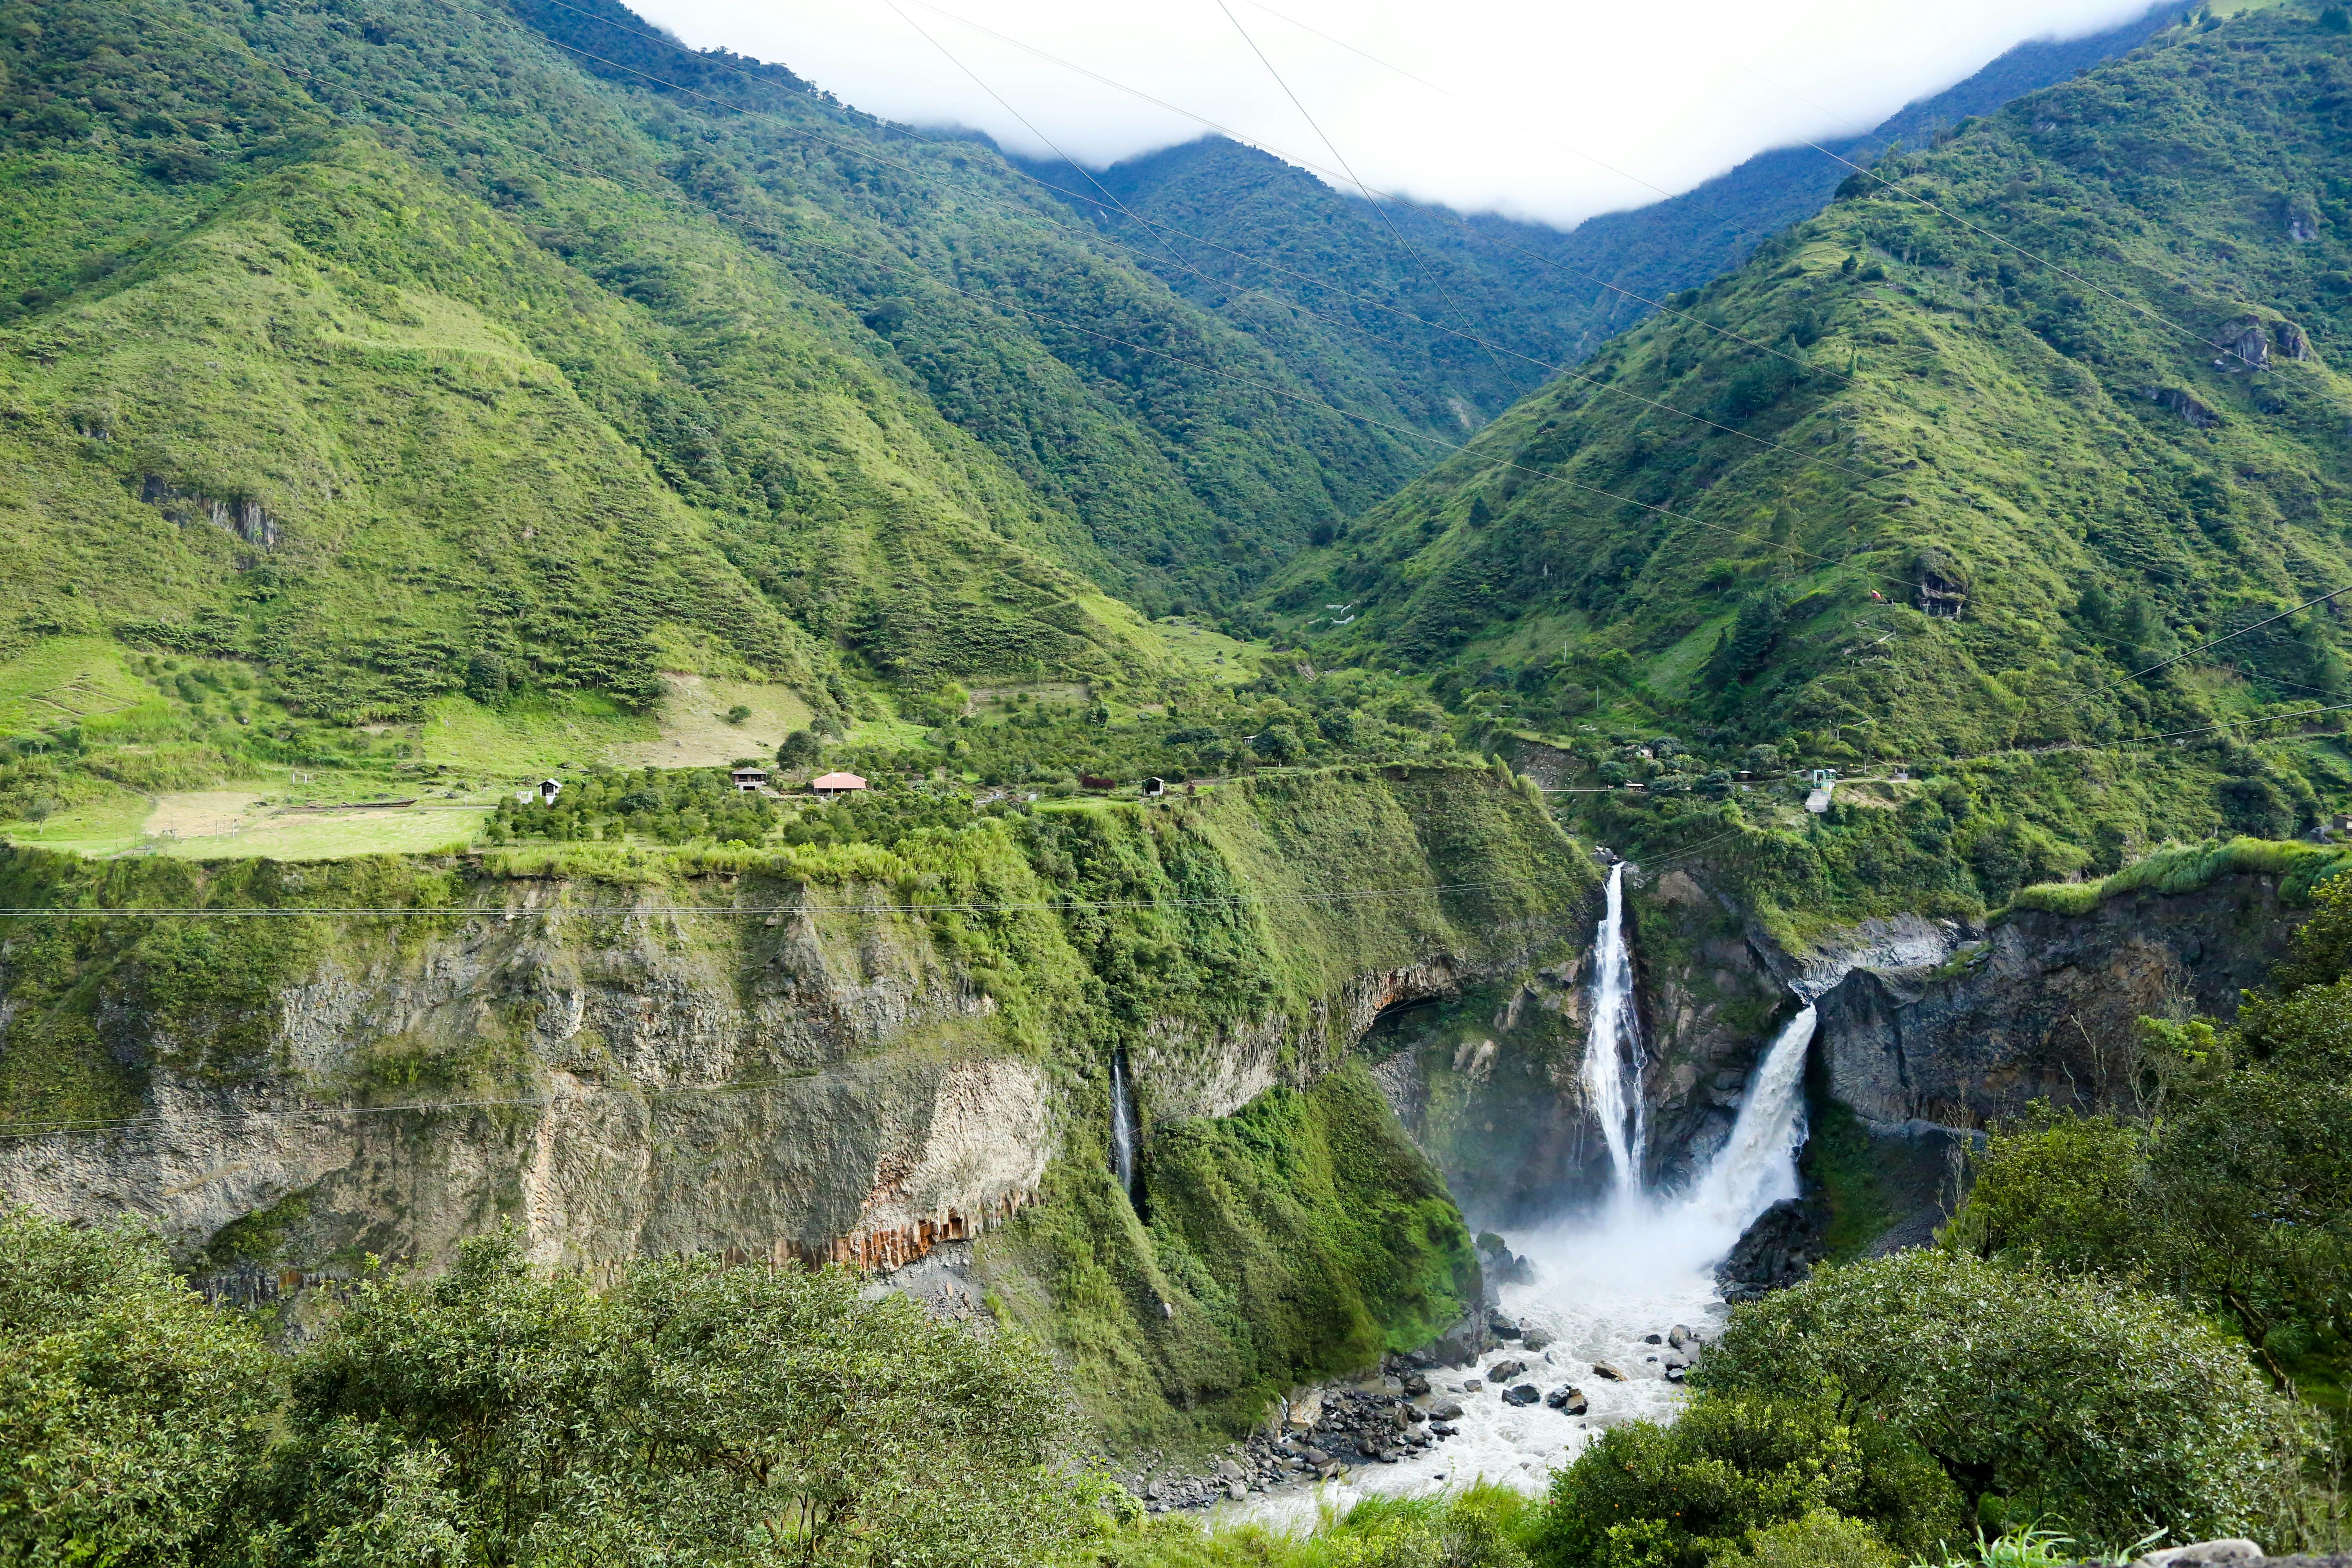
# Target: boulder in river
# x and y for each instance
(1570, 1401)
(1776, 1251)
(1504, 1371)
(1522, 1393)
(1679, 1336)
(1602, 1369)
(1415, 1383)
(1535, 1339)
(1444, 1410)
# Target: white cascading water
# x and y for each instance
(1641, 1263)
(1123, 1126)
(1613, 1048)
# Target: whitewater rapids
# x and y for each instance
(1645, 1262)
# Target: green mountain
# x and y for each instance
(383, 344)
(1943, 473)
(1461, 314)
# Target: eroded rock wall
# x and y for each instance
(2043, 1007)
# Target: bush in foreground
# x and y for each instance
(694, 1414)
(2108, 1412)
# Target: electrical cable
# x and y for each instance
(1398, 198)
(1445, 295)
(957, 61)
(867, 258)
(2236, 724)
(1996, 239)
(2258, 626)
(1160, 231)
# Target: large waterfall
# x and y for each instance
(1613, 1048)
(1639, 1263)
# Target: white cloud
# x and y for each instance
(1668, 93)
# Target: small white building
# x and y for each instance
(832, 786)
(749, 781)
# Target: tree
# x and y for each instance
(132, 1413)
(1735, 1467)
(800, 750)
(694, 1413)
(2109, 1411)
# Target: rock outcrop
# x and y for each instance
(2043, 1007)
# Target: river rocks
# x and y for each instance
(1522, 1393)
(1505, 1328)
(1504, 1371)
(1445, 1410)
(1415, 1383)
(1654, 1339)
(1470, 1386)
(1777, 1250)
(1680, 1336)
(2205, 1554)
(1537, 1339)
(1569, 1401)
(1676, 1372)
(1602, 1369)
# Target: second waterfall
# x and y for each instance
(1613, 1048)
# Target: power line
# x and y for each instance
(1398, 198)
(957, 61)
(2258, 626)
(1987, 233)
(1160, 231)
(2238, 723)
(512, 912)
(1445, 295)
(1290, 393)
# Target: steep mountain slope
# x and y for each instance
(1897, 490)
(1320, 276)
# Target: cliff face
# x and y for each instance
(2044, 1005)
(856, 1054)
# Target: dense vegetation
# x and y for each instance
(1297, 1238)
(2233, 1191)
(1898, 492)
(691, 1413)
(1338, 285)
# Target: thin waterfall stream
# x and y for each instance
(1123, 1126)
(1637, 1263)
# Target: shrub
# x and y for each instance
(2109, 1411)
(1734, 1468)
(131, 1412)
(1819, 1539)
(690, 1412)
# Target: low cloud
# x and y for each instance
(1546, 112)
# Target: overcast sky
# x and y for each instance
(1543, 110)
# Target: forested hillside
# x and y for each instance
(1461, 314)
(376, 342)
(1953, 470)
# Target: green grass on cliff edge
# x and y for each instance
(1298, 1238)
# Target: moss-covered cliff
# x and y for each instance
(860, 1052)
